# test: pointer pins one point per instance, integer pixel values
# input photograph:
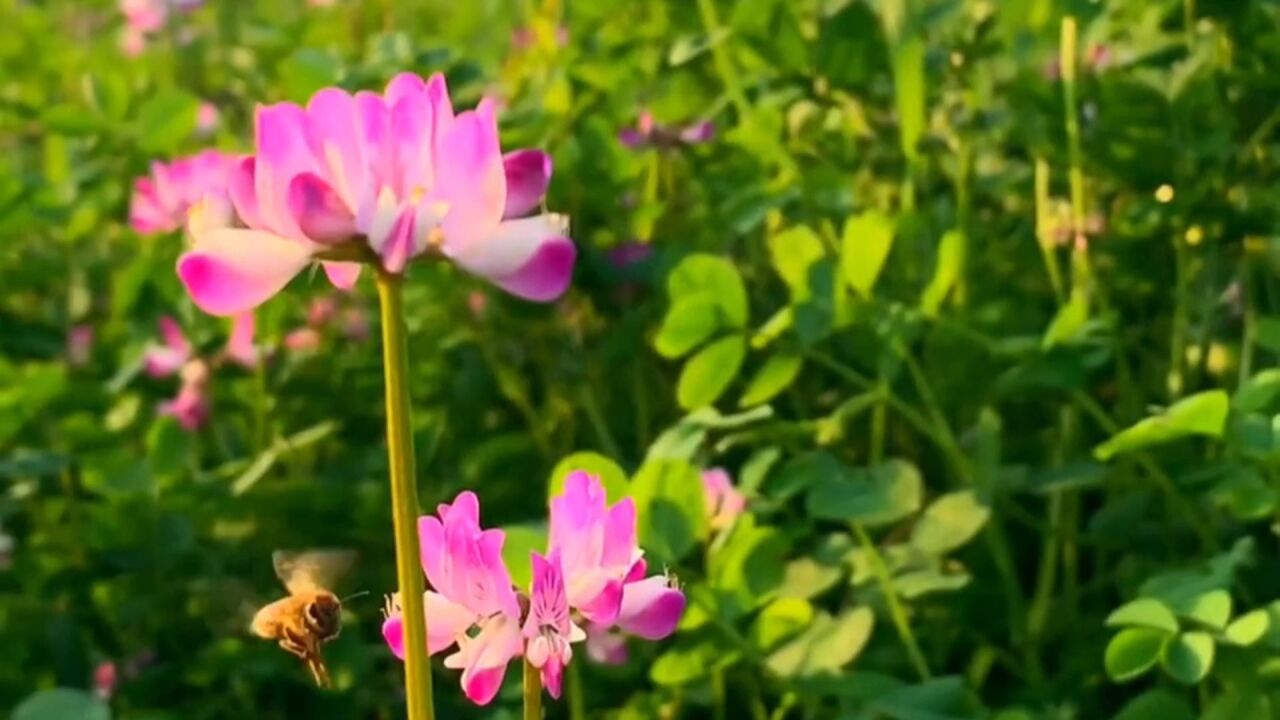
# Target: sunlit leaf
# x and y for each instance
(1200, 414)
(949, 522)
(1133, 652)
(1188, 657)
(946, 273)
(775, 376)
(864, 248)
(611, 476)
(872, 496)
(1144, 612)
(62, 704)
(707, 374)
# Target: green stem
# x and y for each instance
(1178, 329)
(577, 703)
(718, 694)
(1044, 232)
(532, 692)
(897, 613)
(724, 65)
(404, 498)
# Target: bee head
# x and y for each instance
(324, 616)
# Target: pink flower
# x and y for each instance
(606, 645)
(190, 407)
(162, 200)
(394, 176)
(240, 348)
(355, 324)
(302, 340)
(174, 351)
(630, 253)
(104, 680)
(321, 311)
(603, 564)
(471, 603)
(147, 17)
(79, 345)
(207, 119)
(649, 133)
(548, 630)
(724, 502)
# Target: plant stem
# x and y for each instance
(724, 65)
(577, 703)
(718, 694)
(532, 692)
(1081, 273)
(1044, 231)
(404, 497)
(897, 613)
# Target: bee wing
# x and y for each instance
(311, 570)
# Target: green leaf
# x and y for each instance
(1145, 613)
(685, 664)
(793, 252)
(1248, 628)
(949, 522)
(1239, 703)
(707, 374)
(950, 261)
(165, 120)
(864, 248)
(521, 541)
(807, 578)
(918, 583)
(1188, 657)
(716, 276)
(827, 646)
(1258, 393)
(689, 47)
(62, 704)
(1068, 322)
(611, 476)
(872, 496)
(1132, 652)
(670, 507)
(689, 322)
(307, 70)
(24, 391)
(909, 94)
(776, 375)
(117, 476)
(1212, 608)
(747, 570)
(1200, 414)
(167, 446)
(1156, 705)
(780, 620)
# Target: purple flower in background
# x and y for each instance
(207, 119)
(174, 355)
(631, 253)
(190, 407)
(724, 502)
(144, 18)
(105, 676)
(650, 133)
(79, 345)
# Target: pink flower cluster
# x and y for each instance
(387, 177)
(175, 356)
(325, 314)
(144, 18)
(163, 199)
(593, 573)
(723, 501)
(650, 133)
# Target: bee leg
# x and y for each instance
(293, 647)
(319, 671)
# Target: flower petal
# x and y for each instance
(446, 620)
(484, 658)
(529, 258)
(244, 197)
(318, 211)
(470, 178)
(528, 175)
(338, 143)
(282, 154)
(393, 634)
(651, 608)
(343, 275)
(232, 270)
(240, 347)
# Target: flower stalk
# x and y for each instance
(532, 692)
(404, 497)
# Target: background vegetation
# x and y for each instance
(976, 300)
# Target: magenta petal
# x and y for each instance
(470, 178)
(230, 271)
(393, 633)
(240, 347)
(546, 275)
(318, 211)
(446, 620)
(553, 677)
(605, 607)
(240, 186)
(283, 153)
(334, 122)
(651, 608)
(343, 275)
(528, 175)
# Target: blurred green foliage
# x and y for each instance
(984, 329)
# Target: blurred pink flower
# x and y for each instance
(167, 357)
(207, 119)
(190, 407)
(649, 133)
(397, 175)
(606, 645)
(604, 566)
(471, 603)
(355, 324)
(240, 348)
(477, 302)
(321, 310)
(724, 502)
(104, 680)
(162, 200)
(79, 345)
(630, 253)
(302, 340)
(143, 18)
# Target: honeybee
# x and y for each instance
(311, 615)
